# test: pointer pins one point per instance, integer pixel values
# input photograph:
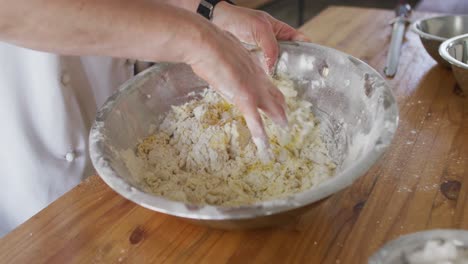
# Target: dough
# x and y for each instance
(202, 153)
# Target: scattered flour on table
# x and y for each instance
(202, 153)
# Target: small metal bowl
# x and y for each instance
(355, 105)
(400, 250)
(455, 52)
(435, 30)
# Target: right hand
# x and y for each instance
(240, 78)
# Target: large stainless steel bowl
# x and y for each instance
(435, 30)
(358, 112)
(455, 52)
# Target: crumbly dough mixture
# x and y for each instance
(202, 153)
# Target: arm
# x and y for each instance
(189, 5)
(119, 28)
(250, 26)
(147, 30)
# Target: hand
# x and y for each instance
(234, 72)
(257, 28)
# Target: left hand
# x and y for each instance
(256, 28)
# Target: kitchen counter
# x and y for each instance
(420, 183)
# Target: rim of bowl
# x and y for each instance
(415, 27)
(422, 236)
(444, 50)
(210, 212)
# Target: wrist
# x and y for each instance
(221, 8)
(177, 44)
(203, 44)
(206, 8)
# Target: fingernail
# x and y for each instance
(302, 37)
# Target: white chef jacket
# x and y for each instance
(47, 105)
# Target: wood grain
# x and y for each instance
(421, 183)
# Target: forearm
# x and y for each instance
(190, 5)
(147, 30)
(161, 30)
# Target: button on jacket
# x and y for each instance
(47, 105)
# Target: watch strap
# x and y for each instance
(206, 7)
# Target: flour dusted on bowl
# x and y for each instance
(202, 153)
(439, 252)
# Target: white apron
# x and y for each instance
(47, 105)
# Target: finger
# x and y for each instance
(301, 37)
(276, 112)
(259, 136)
(279, 97)
(284, 31)
(277, 94)
(274, 109)
(252, 118)
(257, 130)
(266, 40)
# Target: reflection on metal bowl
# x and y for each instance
(455, 52)
(435, 30)
(354, 104)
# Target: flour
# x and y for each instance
(202, 153)
(440, 252)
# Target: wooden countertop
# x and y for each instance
(421, 183)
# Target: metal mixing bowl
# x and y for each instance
(399, 250)
(356, 108)
(455, 52)
(435, 30)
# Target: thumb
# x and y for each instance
(284, 31)
(266, 40)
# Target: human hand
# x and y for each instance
(256, 28)
(238, 76)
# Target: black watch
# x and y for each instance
(206, 7)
